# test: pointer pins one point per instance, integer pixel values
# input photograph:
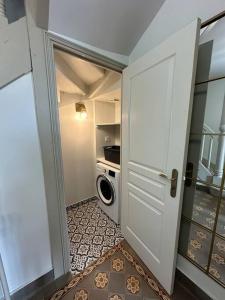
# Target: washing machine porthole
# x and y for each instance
(105, 190)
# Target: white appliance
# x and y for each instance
(107, 184)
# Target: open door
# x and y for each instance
(156, 110)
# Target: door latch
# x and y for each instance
(189, 174)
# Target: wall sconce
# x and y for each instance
(81, 112)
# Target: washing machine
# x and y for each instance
(108, 185)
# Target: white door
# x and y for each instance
(157, 102)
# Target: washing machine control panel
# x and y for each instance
(111, 173)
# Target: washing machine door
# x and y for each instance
(105, 190)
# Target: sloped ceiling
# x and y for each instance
(85, 80)
(112, 25)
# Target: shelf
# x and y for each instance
(109, 163)
(107, 124)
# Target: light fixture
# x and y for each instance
(81, 112)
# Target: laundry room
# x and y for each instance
(89, 115)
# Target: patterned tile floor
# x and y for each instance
(114, 274)
(117, 275)
(91, 234)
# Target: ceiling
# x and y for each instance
(112, 25)
(215, 33)
(88, 72)
(85, 80)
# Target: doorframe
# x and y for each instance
(57, 213)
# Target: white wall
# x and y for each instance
(111, 25)
(173, 15)
(77, 139)
(214, 104)
(24, 235)
(112, 55)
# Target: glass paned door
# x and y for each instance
(217, 263)
(202, 233)
(4, 290)
(195, 243)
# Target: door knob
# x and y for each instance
(173, 180)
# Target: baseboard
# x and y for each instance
(34, 286)
(191, 287)
(204, 282)
(48, 290)
(71, 206)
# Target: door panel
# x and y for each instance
(157, 100)
(146, 122)
(136, 225)
(149, 187)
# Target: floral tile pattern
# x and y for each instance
(117, 275)
(115, 297)
(133, 284)
(118, 264)
(101, 280)
(91, 233)
(217, 265)
(221, 219)
(204, 209)
(81, 295)
(196, 243)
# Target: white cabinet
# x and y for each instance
(107, 112)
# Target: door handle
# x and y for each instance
(163, 175)
(173, 180)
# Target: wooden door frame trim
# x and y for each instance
(52, 41)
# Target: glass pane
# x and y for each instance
(214, 106)
(200, 205)
(221, 218)
(217, 265)
(211, 60)
(206, 150)
(206, 158)
(1, 291)
(195, 243)
(212, 150)
(106, 189)
(198, 110)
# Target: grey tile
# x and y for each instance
(98, 295)
(113, 296)
(147, 292)
(152, 298)
(105, 266)
(87, 283)
(132, 297)
(117, 283)
(69, 296)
